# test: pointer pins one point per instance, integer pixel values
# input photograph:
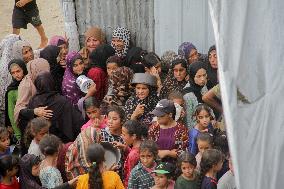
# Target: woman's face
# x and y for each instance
(114, 121)
(213, 59)
(78, 67)
(200, 77)
(28, 54)
(17, 72)
(142, 91)
(63, 53)
(179, 72)
(36, 170)
(193, 56)
(111, 67)
(92, 44)
(118, 44)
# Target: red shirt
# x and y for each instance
(99, 76)
(15, 185)
(130, 162)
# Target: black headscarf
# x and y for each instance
(195, 88)
(211, 72)
(99, 56)
(13, 85)
(50, 53)
(67, 119)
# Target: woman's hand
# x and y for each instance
(139, 110)
(43, 112)
(73, 182)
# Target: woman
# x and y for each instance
(23, 50)
(63, 44)
(6, 55)
(76, 161)
(94, 37)
(212, 67)
(176, 79)
(97, 72)
(51, 54)
(190, 53)
(121, 41)
(18, 70)
(140, 104)
(66, 120)
(194, 90)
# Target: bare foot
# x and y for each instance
(43, 43)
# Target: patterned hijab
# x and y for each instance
(70, 88)
(27, 88)
(18, 49)
(57, 40)
(185, 48)
(6, 55)
(123, 34)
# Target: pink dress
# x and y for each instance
(89, 124)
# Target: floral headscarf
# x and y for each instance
(123, 34)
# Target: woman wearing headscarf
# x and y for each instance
(212, 67)
(121, 41)
(97, 72)
(23, 50)
(29, 174)
(144, 99)
(6, 55)
(176, 79)
(166, 60)
(94, 37)
(194, 90)
(63, 44)
(76, 162)
(17, 68)
(51, 54)
(66, 120)
(190, 53)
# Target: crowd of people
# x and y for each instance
(162, 114)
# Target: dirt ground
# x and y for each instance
(50, 14)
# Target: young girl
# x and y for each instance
(49, 175)
(204, 142)
(163, 176)
(203, 118)
(8, 172)
(140, 176)
(4, 142)
(98, 177)
(92, 109)
(36, 130)
(133, 132)
(177, 98)
(186, 169)
(211, 163)
(112, 63)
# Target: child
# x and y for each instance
(211, 163)
(188, 178)
(203, 118)
(112, 63)
(98, 177)
(133, 132)
(4, 142)
(49, 175)
(36, 130)
(26, 11)
(177, 98)
(8, 172)
(163, 176)
(92, 108)
(140, 176)
(204, 142)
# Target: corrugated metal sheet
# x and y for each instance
(136, 15)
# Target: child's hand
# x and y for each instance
(21, 3)
(114, 167)
(96, 123)
(73, 182)
(119, 145)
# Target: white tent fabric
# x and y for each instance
(250, 43)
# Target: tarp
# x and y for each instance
(250, 46)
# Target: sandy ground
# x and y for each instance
(51, 17)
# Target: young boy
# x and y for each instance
(8, 172)
(163, 176)
(4, 142)
(26, 11)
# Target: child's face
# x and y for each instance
(111, 67)
(41, 134)
(203, 119)
(127, 138)
(93, 112)
(78, 67)
(178, 101)
(147, 158)
(187, 169)
(113, 121)
(13, 172)
(4, 143)
(164, 120)
(161, 180)
(203, 145)
(35, 170)
(218, 166)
